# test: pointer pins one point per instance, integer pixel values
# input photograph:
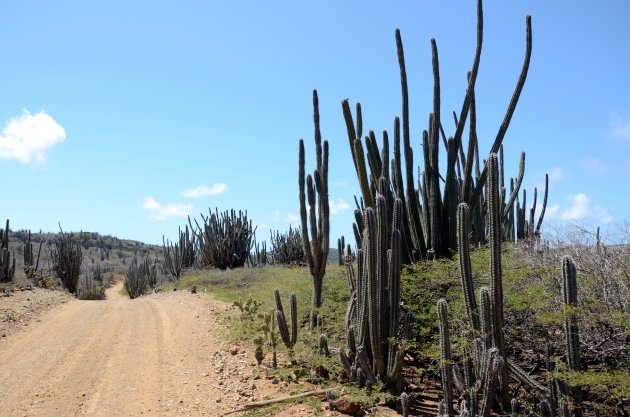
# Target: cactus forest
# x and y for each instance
(449, 298)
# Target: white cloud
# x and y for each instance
(338, 206)
(292, 218)
(581, 209)
(619, 127)
(28, 137)
(204, 191)
(163, 212)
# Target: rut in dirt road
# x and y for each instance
(117, 357)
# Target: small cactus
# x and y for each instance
(404, 402)
(289, 339)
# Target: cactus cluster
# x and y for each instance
(314, 193)
(518, 223)
(140, 277)
(224, 240)
(7, 264)
(373, 327)
(181, 255)
(66, 258)
(429, 224)
(259, 256)
(286, 248)
(31, 264)
(487, 371)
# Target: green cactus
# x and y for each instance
(493, 365)
(404, 403)
(7, 265)
(542, 210)
(545, 409)
(323, 345)
(341, 245)
(569, 293)
(496, 276)
(445, 358)
(429, 225)
(289, 339)
(315, 248)
(463, 221)
(373, 314)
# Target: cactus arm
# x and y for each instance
(463, 221)
(510, 110)
(544, 206)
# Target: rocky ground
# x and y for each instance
(161, 355)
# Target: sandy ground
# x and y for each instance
(159, 355)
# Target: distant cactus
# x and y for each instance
(316, 248)
(7, 265)
(286, 248)
(224, 240)
(66, 260)
(140, 277)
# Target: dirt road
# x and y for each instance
(120, 357)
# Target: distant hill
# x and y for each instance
(107, 251)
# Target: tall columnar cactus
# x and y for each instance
(429, 223)
(66, 260)
(445, 359)
(225, 239)
(569, 293)
(316, 248)
(286, 248)
(172, 258)
(496, 275)
(373, 315)
(463, 230)
(289, 339)
(31, 264)
(7, 265)
(341, 245)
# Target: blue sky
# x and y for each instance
(121, 117)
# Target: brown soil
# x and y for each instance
(150, 356)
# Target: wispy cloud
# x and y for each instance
(161, 212)
(581, 208)
(338, 206)
(595, 167)
(204, 191)
(28, 137)
(619, 127)
(556, 174)
(339, 184)
(292, 218)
